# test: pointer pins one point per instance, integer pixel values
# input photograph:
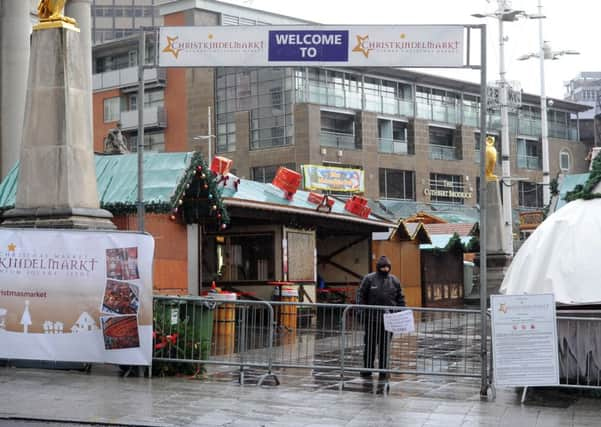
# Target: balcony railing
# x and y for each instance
(153, 117)
(529, 162)
(126, 77)
(443, 152)
(338, 140)
(394, 146)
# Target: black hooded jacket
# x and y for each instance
(381, 288)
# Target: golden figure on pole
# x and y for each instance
(51, 15)
(491, 158)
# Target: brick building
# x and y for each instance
(410, 132)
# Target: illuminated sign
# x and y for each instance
(328, 178)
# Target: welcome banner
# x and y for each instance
(352, 46)
(76, 296)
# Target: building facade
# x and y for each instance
(414, 135)
(585, 89)
(116, 19)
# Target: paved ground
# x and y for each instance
(30, 397)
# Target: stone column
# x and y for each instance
(15, 27)
(57, 178)
(81, 11)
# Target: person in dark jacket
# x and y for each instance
(383, 289)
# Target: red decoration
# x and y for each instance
(320, 199)
(221, 165)
(288, 181)
(358, 206)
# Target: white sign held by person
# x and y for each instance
(400, 322)
(76, 296)
(524, 340)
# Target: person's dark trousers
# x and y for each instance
(375, 336)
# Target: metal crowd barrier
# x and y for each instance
(320, 337)
(579, 336)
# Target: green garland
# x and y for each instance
(586, 191)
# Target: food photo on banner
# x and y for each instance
(76, 296)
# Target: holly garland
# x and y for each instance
(197, 197)
(586, 191)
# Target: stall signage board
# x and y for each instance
(327, 178)
(76, 296)
(524, 340)
(276, 46)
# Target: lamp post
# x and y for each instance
(544, 52)
(207, 137)
(503, 14)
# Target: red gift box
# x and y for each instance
(358, 206)
(221, 165)
(318, 199)
(287, 180)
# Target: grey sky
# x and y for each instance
(569, 25)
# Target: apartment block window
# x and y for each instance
(112, 109)
(530, 195)
(266, 174)
(154, 142)
(154, 98)
(447, 189)
(529, 154)
(392, 136)
(442, 145)
(338, 130)
(564, 161)
(397, 184)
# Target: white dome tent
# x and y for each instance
(561, 256)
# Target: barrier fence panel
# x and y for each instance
(445, 342)
(326, 337)
(203, 330)
(579, 350)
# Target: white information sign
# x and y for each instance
(524, 340)
(401, 322)
(76, 296)
(352, 46)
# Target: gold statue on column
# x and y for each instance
(51, 15)
(491, 158)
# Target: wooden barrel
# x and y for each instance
(286, 314)
(224, 324)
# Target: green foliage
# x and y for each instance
(454, 244)
(183, 340)
(586, 191)
(473, 245)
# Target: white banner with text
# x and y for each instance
(524, 340)
(76, 296)
(275, 46)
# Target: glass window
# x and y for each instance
(112, 110)
(530, 194)
(266, 174)
(564, 161)
(154, 142)
(442, 145)
(529, 154)
(397, 184)
(245, 257)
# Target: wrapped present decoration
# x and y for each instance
(288, 181)
(320, 199)
(358, 206)
(221, 165)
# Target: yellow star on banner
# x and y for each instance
(12, 247)
(210, 36)
(361, 46)
(170, 49)
(402, 35)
